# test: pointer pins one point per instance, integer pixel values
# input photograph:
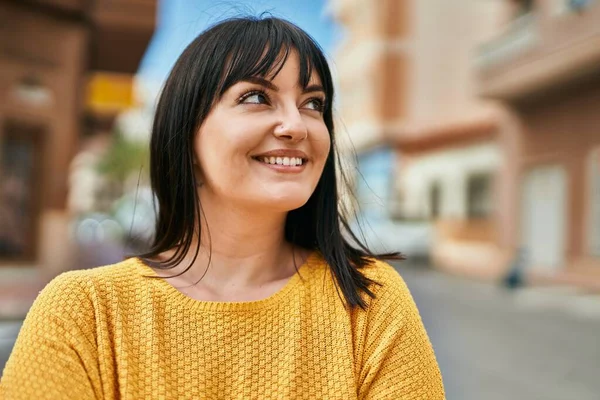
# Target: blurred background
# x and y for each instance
(471, 130)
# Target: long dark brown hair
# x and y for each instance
(231, 51)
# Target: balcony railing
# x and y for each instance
(520, 37)
(540, 52)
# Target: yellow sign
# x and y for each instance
(109, 92)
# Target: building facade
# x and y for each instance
(490, 115)
(489, 108)
(409, 88)
(52, 54)
(545, 66)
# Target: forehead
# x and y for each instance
(290, 73)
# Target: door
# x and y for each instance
(20, 180)
(543, 217)
(593, 220)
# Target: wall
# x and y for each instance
(420, 173)
(564, 130)
(442, 76)
(42, 60)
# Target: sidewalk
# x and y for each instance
(16, 297)
(8, 335)
(497, 344)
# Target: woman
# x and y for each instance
(250, 289)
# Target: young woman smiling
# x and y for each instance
(251, 288)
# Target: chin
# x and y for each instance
(290, 205)
(288, 202)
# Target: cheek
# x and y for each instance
(210, 155)
(321, 141)
(222, 156)
(227, 137)
(206, 151)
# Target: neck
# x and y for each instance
(244, 247)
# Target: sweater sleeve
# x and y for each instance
(55, 354)
(397, 357)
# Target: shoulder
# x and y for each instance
(388, 283)
(126, 272)
(379, 269)
(390, 319)
(392, 304)
(394, 357)
(78, 289)
(84, 279)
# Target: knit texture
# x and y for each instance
(113, 333)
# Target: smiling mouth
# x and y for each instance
(282, 161)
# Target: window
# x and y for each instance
(19, 194)
(479, 195)
(594, 203)
(578, 5)
(568, 6)
(31, 91)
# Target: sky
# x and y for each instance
(180, 21)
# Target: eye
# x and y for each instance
(254, 97)
(316, 104)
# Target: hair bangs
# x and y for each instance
(261, 49)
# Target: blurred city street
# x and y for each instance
(468, 132)
(495, 344)
(8, 335)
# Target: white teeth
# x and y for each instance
(287, 161)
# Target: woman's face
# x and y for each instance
(265, 143)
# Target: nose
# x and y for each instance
(291, 126)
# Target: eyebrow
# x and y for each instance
(271, 86)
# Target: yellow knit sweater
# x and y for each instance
(112, 333)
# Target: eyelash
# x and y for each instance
(320, 106)
(252, 92)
